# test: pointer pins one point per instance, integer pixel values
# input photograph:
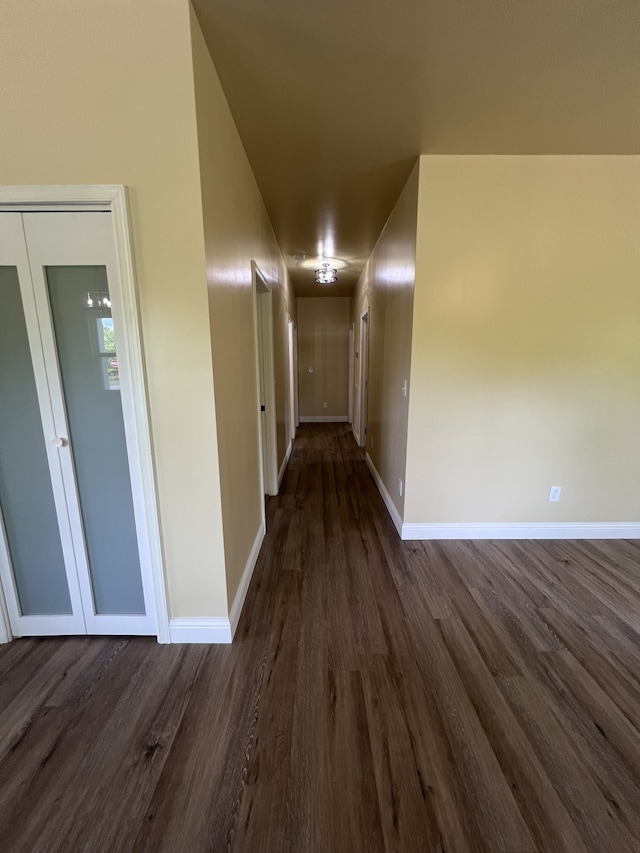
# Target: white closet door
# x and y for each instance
(37, 558)
(82, 372)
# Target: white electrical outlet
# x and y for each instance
(324, 405)
(400, 486)
(372, 442)
(554, 493)
(404, 387)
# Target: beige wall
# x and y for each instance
(323, 345)
(102, 93)
(386, 289)
(526, 347)
(237, 230)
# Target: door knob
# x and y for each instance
(59, 442)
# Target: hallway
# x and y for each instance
(379, 696)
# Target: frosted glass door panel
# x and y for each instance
(80, 308)
(26, 494)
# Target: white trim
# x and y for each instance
(292, 380)
(60, 197)
(200, 630)
(265, 378)
(525, 530)
(144, 480)
(363, 384)
(245, 580)
(285, 462)
(352, 365)
(5, 625)
(356, 435)
(386, 497)
(296, 392)
(114, 198)
(325, 419)
(259, 420)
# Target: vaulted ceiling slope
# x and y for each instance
(334, 99)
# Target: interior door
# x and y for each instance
(69, 550)
(36, 549)
(263, 394)
(364, 376)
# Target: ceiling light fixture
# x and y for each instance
(326, 274)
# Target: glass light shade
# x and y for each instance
(326, 275)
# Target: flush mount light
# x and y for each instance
(326, 274)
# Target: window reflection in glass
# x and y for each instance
(108, 357)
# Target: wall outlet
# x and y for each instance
(405, 386)
(324, 405)
(554, 493)
(400, 486)
(372, 442)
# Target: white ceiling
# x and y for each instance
(334, 99)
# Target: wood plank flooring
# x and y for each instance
(379, 696)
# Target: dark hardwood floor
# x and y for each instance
(379, 695)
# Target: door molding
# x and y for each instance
(352, 347)
(268, 466)
(363, 419)
(293, 376)
(114, 199)
(5, 626)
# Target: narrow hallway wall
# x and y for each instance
(386, 288)
(237, 230)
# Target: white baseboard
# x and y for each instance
(386, 497)
(569, 530)
(356, 435)
(200, 630)
(217, 629)
(325, 419)
(285, 462)
(245, 580)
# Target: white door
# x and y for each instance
(69, 527)
(296, 408)
(262, 388)
(364, 377)
(293, 380)
(266, 381)
(351, 369)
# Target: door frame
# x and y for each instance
(263, 332)
(352, 346)
(365, 330)
(296, 392)
(293, 379)
(113, 198)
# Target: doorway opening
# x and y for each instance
(265, 375)
(364, 378)
(352, 345)
(294, 420)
